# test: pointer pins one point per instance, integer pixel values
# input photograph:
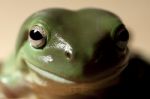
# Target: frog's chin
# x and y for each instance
(49, 75)
(66, 85)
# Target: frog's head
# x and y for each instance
(74, 46)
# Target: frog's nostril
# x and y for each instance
(68, 55)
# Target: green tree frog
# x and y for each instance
(65, 54)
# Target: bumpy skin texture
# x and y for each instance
(64, 54)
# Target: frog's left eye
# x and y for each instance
(37, 37)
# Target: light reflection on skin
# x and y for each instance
(62, 44)
(47, 59)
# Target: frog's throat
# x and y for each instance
(49, 75)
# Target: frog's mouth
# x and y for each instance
(49, 75)
(107, 75)
(112, 74)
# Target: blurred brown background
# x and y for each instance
(134, 13)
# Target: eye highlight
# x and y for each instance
(37, 36)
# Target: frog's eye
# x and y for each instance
(37, 37)
(121, 36)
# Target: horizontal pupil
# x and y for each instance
(35, 35)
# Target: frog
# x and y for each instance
(73, 54)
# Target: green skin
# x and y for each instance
(80, 47)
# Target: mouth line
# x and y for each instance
(62, 80)
(49, 75)
(59, 79)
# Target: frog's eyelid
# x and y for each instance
(39, 28)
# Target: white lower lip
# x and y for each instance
(49, 75)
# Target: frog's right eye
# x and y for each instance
(121, 37)
(37, 37)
